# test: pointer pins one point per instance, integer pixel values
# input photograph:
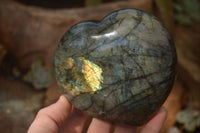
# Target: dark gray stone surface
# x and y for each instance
(120, 69)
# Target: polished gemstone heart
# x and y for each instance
(120, 69)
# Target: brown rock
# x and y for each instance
(19, 103)
(29, 32)
(52, 94)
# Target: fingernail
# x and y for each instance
(62, 98)
(163, 110)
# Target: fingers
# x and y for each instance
(125, 129)
(100, 126)
(156, 123)
(50, 118)
(153, 126)
(74, 123)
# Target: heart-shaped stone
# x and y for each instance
(120, 69)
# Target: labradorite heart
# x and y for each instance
(120, 69)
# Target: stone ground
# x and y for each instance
(19, 103)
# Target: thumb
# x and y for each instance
(50, 118)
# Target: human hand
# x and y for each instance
(59, 118)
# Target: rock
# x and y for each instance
(39, 76)
(38, 34)
(18, 105)
(52, 94)
(189, 119)
(120, 69)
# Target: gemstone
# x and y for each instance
(120, 69)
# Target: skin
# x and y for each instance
(59, 117)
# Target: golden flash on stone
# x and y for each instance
(92, 74)
(89, 80)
